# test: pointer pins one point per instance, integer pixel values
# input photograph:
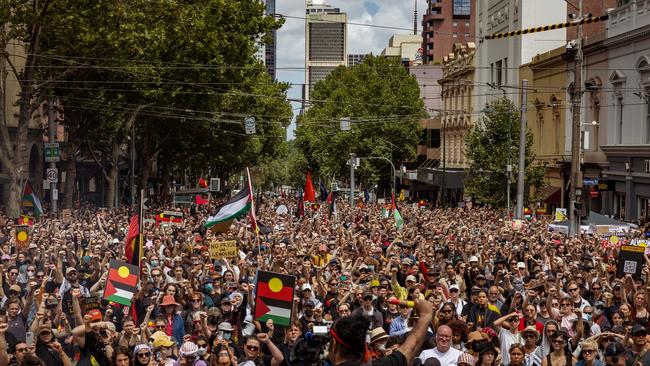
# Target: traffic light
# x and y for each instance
(579, 208)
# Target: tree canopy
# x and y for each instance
(383, 103)
(487, 147)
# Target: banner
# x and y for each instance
(630, 259)
(223, 249)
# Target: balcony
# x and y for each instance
(628, 17)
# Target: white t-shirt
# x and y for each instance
(449, 358)
(507, 339)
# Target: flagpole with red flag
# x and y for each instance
(251, 213)
(310, 194)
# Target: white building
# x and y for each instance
(498, 60)
(406, 47)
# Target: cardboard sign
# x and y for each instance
(88, 303)
(560, 214)
(630, 259)
(223, 249)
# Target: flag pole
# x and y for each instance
(253, 218)
(141, 226)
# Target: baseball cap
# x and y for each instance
(160, 339)
(639, 329)
(95, 315)
(473, 259)
(454, 286)
(521, 265)
(70, 270)
(407, 261)
(5, 257)
(306, 286)
(475, 289)
(411, 278)
(33, 246)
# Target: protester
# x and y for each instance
(454, 286)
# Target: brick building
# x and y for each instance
(446, 22)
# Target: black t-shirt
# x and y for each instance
(93, 353)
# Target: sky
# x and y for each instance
(361, 39)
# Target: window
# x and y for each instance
(619, 118)
(647, 166)
(455, 35)
(462, 7)
(454, 24)
(540, 134)
(505, 71)
(492, 73)
(647, 125)
(467, 24)
(499, 70)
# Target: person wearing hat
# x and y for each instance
(142, 355)
(189, 355)
(487, 355)
(638, 351)
(48, 349)
(507, 327)
(164, 347)
(71, 284)
(452, 278)
(377, 346)
(399, 324)
(531, 335)
(368, 310)
(175, 325)
(454, 298)
(322, 257)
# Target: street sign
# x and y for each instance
(606, 185)
(52, 175)
(249, 125)
(55, 194)
(345, 124)
(590, 182)
(52, 152)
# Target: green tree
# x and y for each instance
(384, 105)
(487, 147)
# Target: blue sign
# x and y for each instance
(590, 182)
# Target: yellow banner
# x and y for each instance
(223, 249)
(632, 248)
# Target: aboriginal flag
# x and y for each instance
(274, 298)
(121, 282)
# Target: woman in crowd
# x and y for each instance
(560, 354)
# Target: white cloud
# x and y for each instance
(361, 39)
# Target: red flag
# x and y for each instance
(132, 245)
(310, 194)
(201, 201)
(203, 183)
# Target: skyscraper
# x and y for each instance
(266, 51)
(271, 47)
(325, 42)
(445, 23)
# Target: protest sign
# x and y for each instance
(223, 249)
(630, 258)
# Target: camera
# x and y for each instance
(308, 351)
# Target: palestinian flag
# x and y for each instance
(274, 297)
(121, 282)
(239, 205)
(30, 201)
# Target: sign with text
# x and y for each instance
(223, 249)
(630, 259)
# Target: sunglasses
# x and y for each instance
(252, 348)
(454, 290)
(588, 351)
(558, 341)
(21, 350)
(530, 336)
(146, 354)
(160, 327)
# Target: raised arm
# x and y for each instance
(413, 342)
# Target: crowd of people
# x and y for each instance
(455, 286)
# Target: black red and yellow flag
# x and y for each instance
(274, 297)
(132, 242)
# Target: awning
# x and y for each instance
(550, 194)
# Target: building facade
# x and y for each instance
(445, 23)
(356, 58)
(406, 47)
(325, 42)
(625, 139)
(34, 166)
(500, 59)
(271, 48)
(549, 120)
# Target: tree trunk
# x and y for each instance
(146, 163)
(70, 182)
(112, 174)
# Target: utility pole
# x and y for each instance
(352, 161)
(521, 174)
(443, 196)
(132, 167)
(51, 134)
(576, 176)
(415, 18)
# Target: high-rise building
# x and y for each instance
(325, 42)
(271, 47)
(356, 58)
(445, 23)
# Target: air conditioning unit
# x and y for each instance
(215, 184)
